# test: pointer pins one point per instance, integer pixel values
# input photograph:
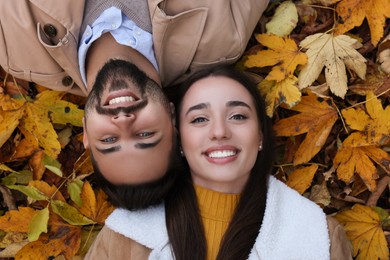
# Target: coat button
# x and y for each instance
(67, 81)
(50, 30)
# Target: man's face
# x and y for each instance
(129, 129)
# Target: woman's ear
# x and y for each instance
(85, 137)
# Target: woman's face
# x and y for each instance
(220, 133)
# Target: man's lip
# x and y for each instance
(120, 93)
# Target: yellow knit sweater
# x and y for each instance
(216, 210)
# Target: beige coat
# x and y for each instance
(112, 245)
(39, 40)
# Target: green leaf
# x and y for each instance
(22, 177)
(74, 189)
(29, 191)
(52, 165)
(70, 214)
(38, 224)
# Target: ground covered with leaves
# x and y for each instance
(324, 70)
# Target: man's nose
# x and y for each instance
(123, 119)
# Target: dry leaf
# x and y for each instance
(300, 179)
(361, 148)
(96, 208)
(334, 53)
(17, 220)
(62, 239)
(9, 120)
(353, 13)
(316, 119)
(284, 20)
(363, 228)
(384, 54)
(283, 55)
(276, 93)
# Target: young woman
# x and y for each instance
(228, 206)
(224, 204)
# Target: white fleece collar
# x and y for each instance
(147, 227)
(293, 228)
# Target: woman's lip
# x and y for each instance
(221, 148)
(120, 93)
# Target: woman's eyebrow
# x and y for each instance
(237, 103)
(197, 107)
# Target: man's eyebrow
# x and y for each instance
(109, 150)
(237, 103)
(147, 145)
(197, 107)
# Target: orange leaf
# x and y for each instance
(353, 13)
(300, 179)
(104, 207)
(283, 55)
(316, 119)
(363, 228)
(36, 163)
(17, 220)
(88, 208)
(96, 208)
(63, 239)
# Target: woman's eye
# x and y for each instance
(108, 140)
(198, 120)
(145, 134)
(238, 117)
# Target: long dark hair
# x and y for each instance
(184, 225)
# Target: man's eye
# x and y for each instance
(238, 117)
(108, 140)
(145, 134)
(199, 120)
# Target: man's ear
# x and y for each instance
(173, 113)
(85, 137)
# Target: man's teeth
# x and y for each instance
(121, 99)
(221, 154)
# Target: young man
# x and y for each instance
(64, 44)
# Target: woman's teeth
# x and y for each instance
(121, 99)
(221, 154)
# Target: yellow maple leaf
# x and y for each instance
(9, 120)
(363, 228)
(316, 119)
(61, 111)
(360, 148)
(335, 53)
(283, 53)
(353, 13)
(276, 93)
(37, 122)
(300, 179)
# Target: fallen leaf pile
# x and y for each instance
(324, 71)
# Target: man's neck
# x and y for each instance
(106, 48)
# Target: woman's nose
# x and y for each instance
(219, 130)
